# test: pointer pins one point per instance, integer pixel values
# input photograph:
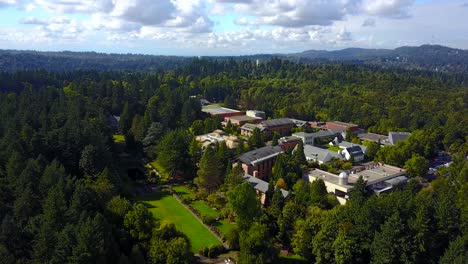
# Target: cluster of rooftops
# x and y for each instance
(322, 146)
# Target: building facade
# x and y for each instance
(259, 162)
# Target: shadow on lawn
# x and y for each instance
(154, 196)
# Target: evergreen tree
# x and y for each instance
(210, 171)
(125, 121)
(298, 154)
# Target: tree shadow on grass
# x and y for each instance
(154, 196)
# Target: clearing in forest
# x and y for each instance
(164, 206)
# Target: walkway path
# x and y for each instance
(216, 235)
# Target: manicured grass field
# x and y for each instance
(225, 226)
(204, 209)
(164, 206)
(184, 191)
(119, 139)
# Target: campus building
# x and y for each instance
(259, 162)
(221, 112)
(379, 178)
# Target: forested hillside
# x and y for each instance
(12, 60)
(66, 196)
(425, 58)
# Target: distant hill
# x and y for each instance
(13, 60)
(425, 57)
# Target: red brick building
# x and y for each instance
(221, 112)
(337, 125)
(242, 119)
(259, 162)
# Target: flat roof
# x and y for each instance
(373, 174)
(379, 173)
(373, 137)
(243, 118)
(343, 123)
(217, 110)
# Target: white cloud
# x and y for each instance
(293, 13)
(5, 3)
(145, 12)
(76, 6)
(370, 22)
(387, 8)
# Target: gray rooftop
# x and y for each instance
(261, 186)
(395, 137)
(243, 118)
(346, 144)
(319, 134)
(320, 153)
(289, 139)
(299, 123)
(372, 175)
(278, 122)
(218, 110)
(343, 124)
(373, 137)
(251, 127)
(260, 154)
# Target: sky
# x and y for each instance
(229, 27)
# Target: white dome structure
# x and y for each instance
(343, 178)
(343, 175)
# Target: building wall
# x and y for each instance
(331, 188)
(235, 122)
(334, 126)
(284, 130)
(223, 116)
(261, 170)
(288, 146)
(246, 133)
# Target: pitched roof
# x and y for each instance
(346, 144)
(320, 154)
(260, 154)
(261, 186)
(355, 151)
(299, 123)
(278, 122)
(394, 137)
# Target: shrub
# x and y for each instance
(208, 219)
(185, 200)
(232, 239)
(216, 201)
(203, 251)
(215, 250)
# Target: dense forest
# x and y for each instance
(66, 195)
(433, 58)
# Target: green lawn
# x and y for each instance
(184, 192)
(225, 226)
(119, 139)
(164, 206)
(292, 259)
(204, 209)
(333, 148)
(160, 169)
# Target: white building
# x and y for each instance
(379, 178)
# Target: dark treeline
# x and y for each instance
(65, 199)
